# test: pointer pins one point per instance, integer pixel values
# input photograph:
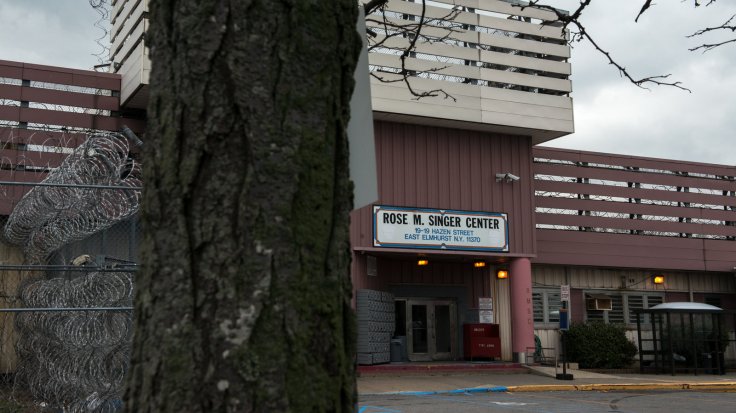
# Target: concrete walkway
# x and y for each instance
(539, 379)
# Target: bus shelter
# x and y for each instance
(684, 337)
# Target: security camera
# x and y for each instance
(508, 177)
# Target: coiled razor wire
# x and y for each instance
(48, 217)
(76, 361)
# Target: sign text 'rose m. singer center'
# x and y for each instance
(400, 227)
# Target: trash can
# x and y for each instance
(396, 350)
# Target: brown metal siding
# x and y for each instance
(629, 208)
(618, 250)
(636, 176)
(719, 255)
(605, 210)
(48, 138)
(45, 113)
(593, 277)
(633, 161)
(577, 305)
(361, 280)
(60, 75)
(624, 192)
(642, 225)
(61, 97)
(12, 157)
(431, 167)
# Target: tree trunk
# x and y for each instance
(243, 302)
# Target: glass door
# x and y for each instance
(431, 329)
(443, 332)
(418, 342)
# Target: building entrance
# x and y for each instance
(431, 329)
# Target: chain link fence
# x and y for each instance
(67, 266)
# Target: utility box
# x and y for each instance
(481, 341)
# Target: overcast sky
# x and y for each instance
(611, 115)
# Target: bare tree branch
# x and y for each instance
(373, 5)
(710, 46)
(568, 22)
(573, 20)
(414, 31)
(644, 8)
(724, 26)
(408, 51)
(417, 95)
(697, 3)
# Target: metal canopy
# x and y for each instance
(684, 306)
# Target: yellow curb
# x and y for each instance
(723, 386)
(717, 386)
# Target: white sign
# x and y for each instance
(485, 303)
(485, 316)
(398, 227)
(565, 293)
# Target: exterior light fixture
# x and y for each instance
(502, 274)
(479, 264)
(422, 262)
(658, 279)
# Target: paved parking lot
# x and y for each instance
(554, 402)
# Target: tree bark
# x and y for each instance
(243, 301)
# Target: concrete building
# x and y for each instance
(464, 190)
(129, 51)
(602, 224)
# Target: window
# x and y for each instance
(641, 302)
(624, 306)
(538, 306)
(614, 315)
(546, 305)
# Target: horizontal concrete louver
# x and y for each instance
(503, 66)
